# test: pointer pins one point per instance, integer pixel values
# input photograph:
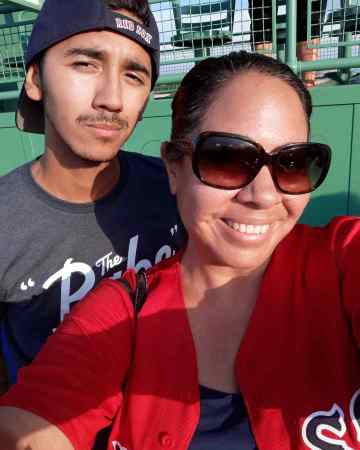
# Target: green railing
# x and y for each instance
(337, 38)
(191, 30)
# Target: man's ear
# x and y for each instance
(172, 168)
(33, 85)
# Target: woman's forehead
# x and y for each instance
(255, 104)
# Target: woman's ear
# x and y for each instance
(171, 168)
(33, 85)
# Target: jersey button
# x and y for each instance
(165, 440)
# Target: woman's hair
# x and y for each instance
(201, 85)
(140, 8)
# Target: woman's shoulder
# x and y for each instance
(163, 284)
(338, 239)
(166, 266)
(339, 232)
(103, 307)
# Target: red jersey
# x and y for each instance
(298, 366)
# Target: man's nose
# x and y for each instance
(109, 93)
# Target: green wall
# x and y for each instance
(335, 121)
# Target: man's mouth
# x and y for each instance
(106, 126)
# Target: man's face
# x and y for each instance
(94, 87)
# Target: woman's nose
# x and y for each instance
(261, 192)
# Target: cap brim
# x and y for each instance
(29, 114)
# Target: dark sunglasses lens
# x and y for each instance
(301, 169)
(225, 162)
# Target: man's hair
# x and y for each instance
(140, 8)
(205, 80)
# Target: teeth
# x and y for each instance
(248, 229)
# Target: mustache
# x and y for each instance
(102, 118)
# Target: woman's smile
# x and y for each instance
(249, 229)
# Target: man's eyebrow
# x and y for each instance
(83, 51)
(129, 64)
(137, 67)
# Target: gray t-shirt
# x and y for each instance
(54, 252)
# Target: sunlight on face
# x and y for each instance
(241, 228)
(95, 87)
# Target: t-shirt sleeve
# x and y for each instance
(346, 243)
(75, 382)
(3, 371)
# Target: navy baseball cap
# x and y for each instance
(61, 19)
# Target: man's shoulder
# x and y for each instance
(150, 165)
(147, 177)
(14, 187)
(14, 177)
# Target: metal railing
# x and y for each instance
(337, 38)
(191, 30)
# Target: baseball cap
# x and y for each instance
(61, 19)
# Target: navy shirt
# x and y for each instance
(56, 251)
(224, 424)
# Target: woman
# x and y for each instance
(248, 338)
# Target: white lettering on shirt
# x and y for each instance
(107, 262)
(64, 275)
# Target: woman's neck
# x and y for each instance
(219, 302)
(207, 282)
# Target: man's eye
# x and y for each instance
(83, 65)
(135, 78)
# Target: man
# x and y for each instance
(82, 211)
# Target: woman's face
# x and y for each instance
(239, 229)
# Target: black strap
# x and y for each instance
(139, 296)
(3, 307)
(138, 299)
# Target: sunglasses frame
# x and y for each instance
(266, 159)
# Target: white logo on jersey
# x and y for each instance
(355, 412)
(332, 422)
(320, 421)
(116, 446)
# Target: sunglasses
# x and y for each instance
(230, 161)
